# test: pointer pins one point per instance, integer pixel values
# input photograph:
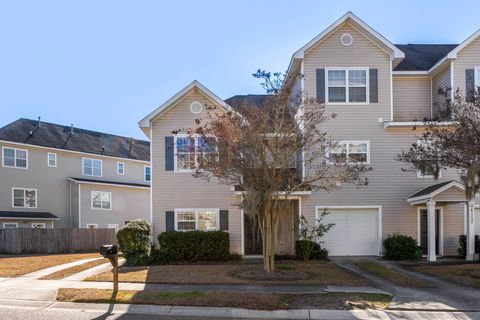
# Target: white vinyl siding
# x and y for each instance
(196, 219)
(24, 198)
(101, 200)
(347, 85)
(52, 159)
(92, 167)
(14, 158)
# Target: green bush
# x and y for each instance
(134, 240)
(400, 247)
(193, 246)
(462, 240)
(316, 252)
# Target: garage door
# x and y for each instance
(356, 231)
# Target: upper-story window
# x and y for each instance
(355, 151)
(52, 159)
(15, 158)
(92, 167)
(147, 173)
(477, 77)
(120, 168)
(24, 198)
(189, 149)
(347, 85)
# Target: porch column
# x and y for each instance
(431, 223)
(470, 230)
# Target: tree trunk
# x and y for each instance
(269, 239)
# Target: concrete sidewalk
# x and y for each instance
(43, 272)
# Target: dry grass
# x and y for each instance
(14, 266)
(394, 276)
(73, 270)
(465, 274)
(258, 301)
(315, 273)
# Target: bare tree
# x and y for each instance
(270, 151)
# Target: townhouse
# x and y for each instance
(380, 92)
(55, 176)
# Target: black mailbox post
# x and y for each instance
(110, 251)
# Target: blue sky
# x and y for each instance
(103, 65)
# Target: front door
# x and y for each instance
(424, 231)
(253, 237)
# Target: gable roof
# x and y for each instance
(422, 57)
(50, 135)
(27, 215)
(145, 122)
(434, 189)
(257, 100)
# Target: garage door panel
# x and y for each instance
(355, 232)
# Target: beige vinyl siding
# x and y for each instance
(453, 226)
(74, 204)
(468, 58)
(180, 189)
(287, 228)
(412, 98)
(440, 81)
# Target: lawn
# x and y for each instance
(14, 266)
(288, 272)
(397, 277)
(73, 270)
(259, 301)
(465, 274)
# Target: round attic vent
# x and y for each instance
(196, 107)
(346, 39)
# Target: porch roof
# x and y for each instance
(434, 190)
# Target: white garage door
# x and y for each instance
(356, 231)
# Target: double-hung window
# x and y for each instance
(24, 198)
(101, 200)
(52, 159)
(427, 172)
(354, 151)
(15, 158)
(189, 151)
(92, 167)
(121, 168)
(347, 85)
(196, 219)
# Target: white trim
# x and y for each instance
(347, 85)
(118, 167)
(32, 218)
(145, 174)
(440, 227)
(79, 205)
(92, 159)
(452, 86)
(407, 124)
(43, 225)
(48, 159)
(69, 151)
(379, 208)
(196, 210)
(466, 42)
(242, 230)
(346, 35)
(151, 182)
(428, 176)
(101, 205)
(347, 145)
(426, 197)
(196, 103)
(24, 189)
(15, 157)
(410, 73)
(100, 183)
(113, 226)
(281, 193)
(391, 90)
(10, 223)
(94, 225)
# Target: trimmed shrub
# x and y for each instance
(400, 247)
(316, 252)
(462, 240)
(194, 246)
(134, 240)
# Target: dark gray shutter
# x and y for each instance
(373, 75)
(223, 219)
(169, 154)
(470, 84)
(169, 221)
(321, 85)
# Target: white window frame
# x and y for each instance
(42, 224)
(103, 209)
(113, 226)
(196, 210)
(92, 159)
(477, 79)
(347, 144)
(54, 157)
(123, 168)
(15, 158)
(420, 175)
(195, 153)
(347, 86)
(94, 225)
(24, 189)
(10, 223)
(145, 173)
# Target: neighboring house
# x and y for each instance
(379, 91)
(65, 177)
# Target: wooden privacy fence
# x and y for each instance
(43, 241)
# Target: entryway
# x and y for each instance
(424, 230)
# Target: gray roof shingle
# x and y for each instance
(131, 184)
(421, 57)
(431, 188)
(61, 137)
(31, 215)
